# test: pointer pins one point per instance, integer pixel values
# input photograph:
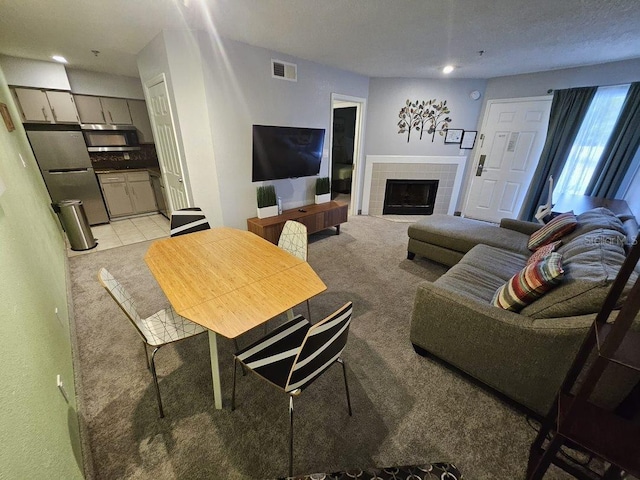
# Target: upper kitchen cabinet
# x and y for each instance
(140, 118)
(116, 110)
(46, 106)
(103, 110)
(89, 109)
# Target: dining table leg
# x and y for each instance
(215, 370)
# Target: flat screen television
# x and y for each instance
(286, 152)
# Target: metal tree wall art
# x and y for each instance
(424, 115)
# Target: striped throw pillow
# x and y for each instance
(557, 228)
(543, 251)
(530, 283)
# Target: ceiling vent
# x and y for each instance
(284, 70)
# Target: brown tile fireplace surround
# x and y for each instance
(447, 170)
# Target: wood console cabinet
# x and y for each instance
(315, 217)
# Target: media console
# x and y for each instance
(316, 217)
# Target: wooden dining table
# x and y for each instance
(229, 281)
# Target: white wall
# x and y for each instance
(34, 73)
(241, 93)
(104, 85)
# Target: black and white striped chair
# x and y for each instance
(188, 220)
(295, 354)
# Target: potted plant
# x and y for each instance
(267, 201)
(323, 190)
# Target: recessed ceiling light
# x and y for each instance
(448, 69)
(59, 58)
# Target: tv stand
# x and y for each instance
(315, 217)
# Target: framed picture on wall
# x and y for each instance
(468, 139)
(453, 135)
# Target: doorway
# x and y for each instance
(347, 120)
(513, 135)
(166, 141)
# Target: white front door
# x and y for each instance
(167, 145)
(511, 140)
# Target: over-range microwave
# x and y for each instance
(110, 138)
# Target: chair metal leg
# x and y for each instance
(291, 435)
(346, 385)
(237, 347)
(146, 355)
(233, 392)
(308, 311)
(155, 380)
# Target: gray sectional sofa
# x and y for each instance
(523, 355)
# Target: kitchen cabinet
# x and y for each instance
(116, 110)
(140, 119)
(142, 194)
(46, 106)
(158, 191)
(89, 109)
(103, 110)
(127, 193)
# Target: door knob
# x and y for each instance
(180, 180)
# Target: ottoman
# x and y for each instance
(445, 238)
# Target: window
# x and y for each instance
(591, 139)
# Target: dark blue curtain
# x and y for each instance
(620, 149)
(567, 112)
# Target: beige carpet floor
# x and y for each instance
(407, 409)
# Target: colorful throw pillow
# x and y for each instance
(530, 283)
(543, 251)
(552, 231)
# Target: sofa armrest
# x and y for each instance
(520, 225)
(523, 358)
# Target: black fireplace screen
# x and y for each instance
(410, 197)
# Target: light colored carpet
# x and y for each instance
(407, 409)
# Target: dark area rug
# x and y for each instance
(440, 471)
(407, 409)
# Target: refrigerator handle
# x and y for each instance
(65, 172)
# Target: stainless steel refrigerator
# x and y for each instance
(66, 168)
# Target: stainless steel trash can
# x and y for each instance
(75, 223)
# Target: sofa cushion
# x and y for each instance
(552, 231)
(543, 251)
(462, 234)
(591, 262)
(530, 283)
(482, 271)
(598, 218)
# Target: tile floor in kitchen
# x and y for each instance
(126, 231)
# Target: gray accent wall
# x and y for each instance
(219, 89)
(241, 92)
(539, 84)
(388, 95)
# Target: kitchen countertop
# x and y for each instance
(152, 171)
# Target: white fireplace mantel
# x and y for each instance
(458, 161)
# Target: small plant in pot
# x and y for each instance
(267, 201)
(323, 190)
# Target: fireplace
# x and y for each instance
(410, 197)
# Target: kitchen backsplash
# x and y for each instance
(146, 157)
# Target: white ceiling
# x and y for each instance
(377, 38)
